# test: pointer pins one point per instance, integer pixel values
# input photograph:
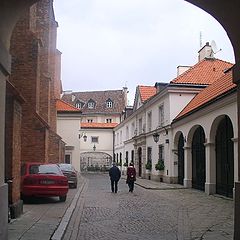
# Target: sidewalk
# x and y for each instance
(42, 217)
(154, 185)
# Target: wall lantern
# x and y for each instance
(83, 135)
(94, 147)
(156, 137)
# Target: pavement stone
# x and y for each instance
(91, 212)
(174, 214)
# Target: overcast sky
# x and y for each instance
(109, 44)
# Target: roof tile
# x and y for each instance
(146, 92)
(218, 88)
(65, 107)
(98, 125)
(204, 72)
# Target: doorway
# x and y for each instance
(180, 159)
(198, 159)
(224, 158)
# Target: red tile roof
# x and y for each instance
(213, 91)
(204, 72)
(98, 125)
(65, 107)
(146, 92)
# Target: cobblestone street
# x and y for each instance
(149, 214)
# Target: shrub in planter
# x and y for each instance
(159, 166)
(148, 166)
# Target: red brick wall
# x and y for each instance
(13, 143)
(56, 148)
(36, 75)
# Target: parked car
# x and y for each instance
(70, 172)
(43, 180)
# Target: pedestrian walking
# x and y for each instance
(115, 175)
(131, 177)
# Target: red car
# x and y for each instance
(43, 180)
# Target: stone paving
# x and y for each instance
(153, 211)
(171, 214)
(41, 218)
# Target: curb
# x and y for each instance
(60, 230)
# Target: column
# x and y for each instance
(187, 167)
(210, 183)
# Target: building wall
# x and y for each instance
(105, 141)
(68, 128)
(207, 118)
(13, 151)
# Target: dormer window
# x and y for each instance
(91, 104)
(109, 103)
(79, 104)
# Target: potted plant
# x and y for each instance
(125, 164)
(119, 164)
(159, 165)
(148, 166)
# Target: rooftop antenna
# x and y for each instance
(200, 39)
(214, 47)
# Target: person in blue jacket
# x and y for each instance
(115, 175)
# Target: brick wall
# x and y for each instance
(13, 146)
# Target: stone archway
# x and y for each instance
(226, 12)
(95, 161)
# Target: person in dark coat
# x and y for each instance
(115, 175)
(131, 177)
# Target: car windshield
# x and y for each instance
(45, 169)
(66, 167)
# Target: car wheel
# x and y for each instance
(75, 185)
(62, 198)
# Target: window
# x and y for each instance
(90, 105)
(161, 153)
(108, 120)
(149, 154)
(132, 156)
(127, 157)
(68, 158)
(79, 104)
(89, 120)
(161, 115)
(109, 103)
(94, 139)
(120, 160)
(133, 129)
(140, 126)
(149, 121)
(127, 133)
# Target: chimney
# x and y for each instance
(182, 69)
(160, 86)
(125, 92)
(205, 52)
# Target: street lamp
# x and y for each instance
(83, 134)
(94, 147)
(156, 137)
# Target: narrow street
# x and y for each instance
(154, 211)
(168, 214)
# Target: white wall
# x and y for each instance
(68, 129)
(105, 141)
